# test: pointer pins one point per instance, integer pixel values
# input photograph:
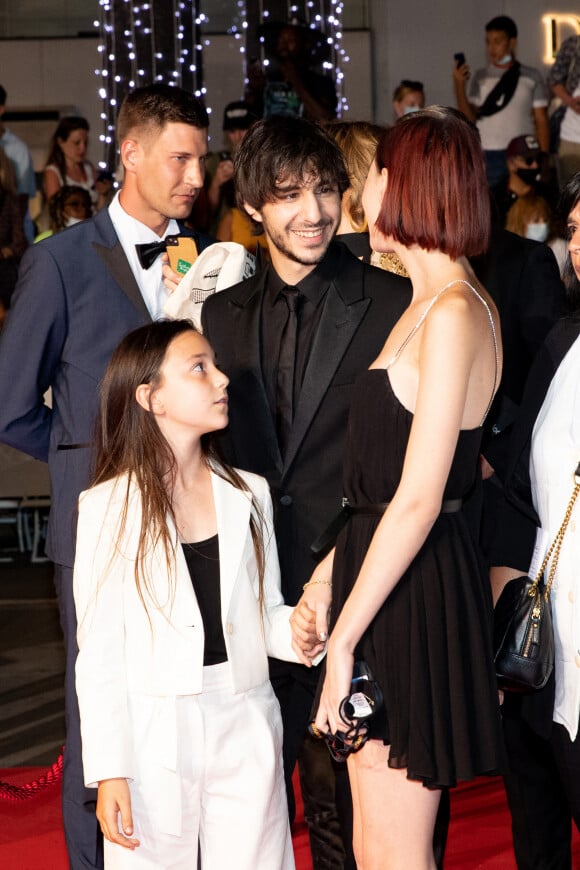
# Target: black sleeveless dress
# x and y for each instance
(430, 644)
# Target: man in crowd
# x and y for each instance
(78, 294)
(524, 167)
(218, 196)
(292, 340)
(506, 99)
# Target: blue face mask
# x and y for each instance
(507, 58)
(409, 109)
(537, 231)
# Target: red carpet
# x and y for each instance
(479, 837)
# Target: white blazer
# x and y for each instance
(127, 651)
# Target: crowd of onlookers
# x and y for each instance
(529, 128)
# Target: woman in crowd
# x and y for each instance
(67, 207)
(541, 728)
(67, 163)
(409, 593)
(358, 142)
(409, 96)
(177, 592)
(531, 217)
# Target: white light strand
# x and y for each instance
(140, 45)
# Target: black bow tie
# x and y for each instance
(149, 252)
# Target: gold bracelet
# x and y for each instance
(317, 582)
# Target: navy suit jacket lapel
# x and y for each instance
(111, 252)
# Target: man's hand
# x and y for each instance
(223, 173)
(113, 798)
(170, 278)
(461, 74)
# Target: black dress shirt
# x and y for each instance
(274, 314)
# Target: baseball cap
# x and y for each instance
(238, 116)
(523, 146)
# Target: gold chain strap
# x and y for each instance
(556, 544)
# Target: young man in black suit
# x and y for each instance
(292, 340)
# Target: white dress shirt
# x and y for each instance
(132, 232)
(554, 456)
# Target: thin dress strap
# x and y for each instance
(421, 320)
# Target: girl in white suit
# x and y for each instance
(177, 592)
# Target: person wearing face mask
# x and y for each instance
(524, 167)
(409, 96)
(68, 206)
(531, 217)
(505, 98)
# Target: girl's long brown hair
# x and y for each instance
(130, 442)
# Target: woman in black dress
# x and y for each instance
(410, 595)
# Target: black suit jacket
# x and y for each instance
(523, 279)
(361, 307)
(75, 300)
(517, 520)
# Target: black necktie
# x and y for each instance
(286, 367)
(149, 252)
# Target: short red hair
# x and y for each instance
(437, 195)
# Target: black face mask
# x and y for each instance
(528, 176)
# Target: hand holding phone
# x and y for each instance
(459, 58)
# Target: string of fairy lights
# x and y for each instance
(144, 41)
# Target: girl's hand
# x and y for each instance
(305, 641)
(317, 597)
(339, 665)
(113, 798)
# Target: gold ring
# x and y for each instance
(316, 732)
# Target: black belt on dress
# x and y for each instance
(329, 535)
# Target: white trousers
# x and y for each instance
(226, 792)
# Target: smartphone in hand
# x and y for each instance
(182, 252)
(459, 58)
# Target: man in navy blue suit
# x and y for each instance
(79, 292)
